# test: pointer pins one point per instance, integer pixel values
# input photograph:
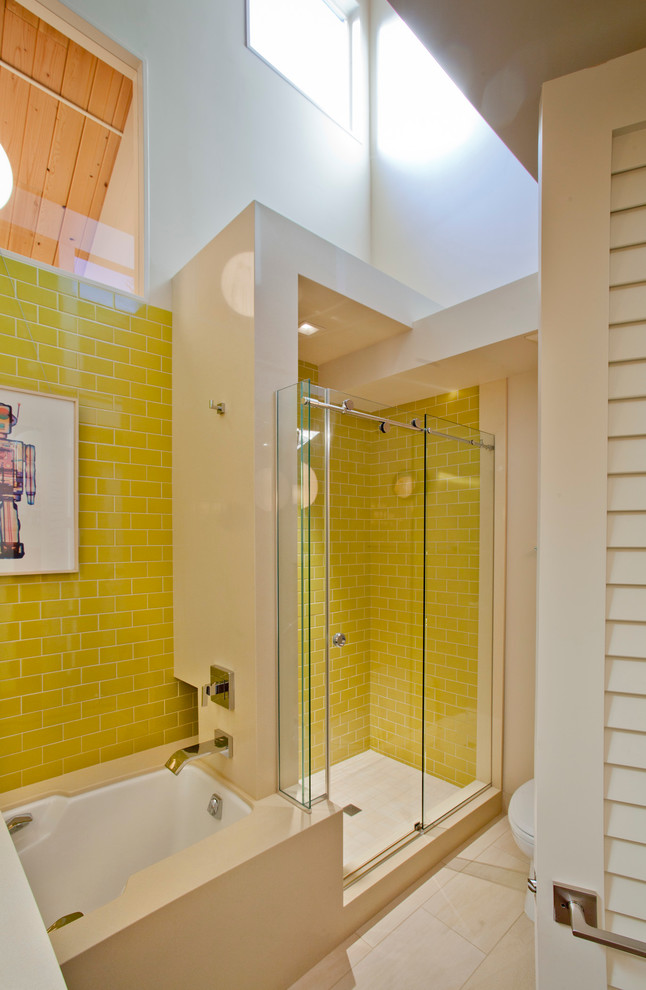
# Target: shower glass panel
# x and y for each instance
(376, 568)
(301, 696)
(384, 575)
(458, 582)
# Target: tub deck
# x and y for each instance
(255, 905)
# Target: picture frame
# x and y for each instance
(38, 482)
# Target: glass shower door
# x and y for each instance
(302, 696)
(458, 616)
(385, 549)
(375, 629)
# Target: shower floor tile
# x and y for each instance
(389, 795)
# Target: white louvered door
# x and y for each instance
(625, 710)
(591, 656)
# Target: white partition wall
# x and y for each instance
(591, 694)
(235, 313)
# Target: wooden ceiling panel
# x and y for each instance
(37, 140)
(60, 170)
(123, 104)
(50, 57)
(62, 158)
(19, 38)
(90, 156)
(101, 185)
(79, 75)
(105, 92)
(20, 11)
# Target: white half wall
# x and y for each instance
(224, 129)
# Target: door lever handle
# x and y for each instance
(577, 908)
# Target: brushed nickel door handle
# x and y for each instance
(577, 908)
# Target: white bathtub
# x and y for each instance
(79, 851)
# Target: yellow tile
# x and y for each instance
(60, 714)
(61, 750)
(20, 270)
(10, 781)
(116, 751)
(132, 731)
(96, 741)
(77, 307)
(41, 772)
(99, 706)
(79, 762)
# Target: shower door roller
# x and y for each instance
(339, 639)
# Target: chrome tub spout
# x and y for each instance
(222, 744)
(18, 821)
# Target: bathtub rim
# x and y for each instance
(111, 772)
(271, 821)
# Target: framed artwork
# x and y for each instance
(38, 483)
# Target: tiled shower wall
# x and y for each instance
(377, 562)
(86, 659)
(452, 594)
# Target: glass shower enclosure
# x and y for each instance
(385, 554)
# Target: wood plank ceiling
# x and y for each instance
(61, 158)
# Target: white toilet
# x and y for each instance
(521, 816)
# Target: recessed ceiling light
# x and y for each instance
(308, 329)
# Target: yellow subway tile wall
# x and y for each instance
(396, 590)
(451, 594)
(350, 564)
(377, 565)
(86, 659)
(349, 586)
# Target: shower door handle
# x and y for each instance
(578, 909)
(339, 639)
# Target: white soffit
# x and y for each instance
(345, 325)
(484, 364)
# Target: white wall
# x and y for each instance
(225, 129)
(520, 621)
(451, 224)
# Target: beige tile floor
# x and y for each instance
(389, 794)
(462, 927)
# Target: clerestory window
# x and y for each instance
(311, 43)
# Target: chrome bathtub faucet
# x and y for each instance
(222, 744)
(17, 822)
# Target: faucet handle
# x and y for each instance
(220, 689)
(223, 743)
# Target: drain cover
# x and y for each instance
(351, 809)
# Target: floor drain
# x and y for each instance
(351, 809)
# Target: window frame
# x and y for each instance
(87, 36)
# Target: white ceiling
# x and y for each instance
(499, 52)
(344, 325)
